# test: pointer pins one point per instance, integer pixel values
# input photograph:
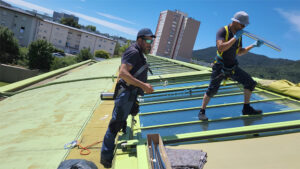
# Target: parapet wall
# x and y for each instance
(11, 74)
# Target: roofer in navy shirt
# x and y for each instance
(133, 81)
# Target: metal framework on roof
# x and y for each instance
(172, 111)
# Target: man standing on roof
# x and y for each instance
(133, 78)
(229, 44)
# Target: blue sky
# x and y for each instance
(275, 20)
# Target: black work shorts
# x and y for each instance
(239, 75)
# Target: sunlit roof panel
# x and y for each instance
(197, 102)
(223, 124)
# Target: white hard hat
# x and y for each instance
(241, 17)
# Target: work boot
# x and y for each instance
(105, 163)
(202, 115)
(251, 111)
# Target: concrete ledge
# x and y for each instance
(27, 82)
(11, 74)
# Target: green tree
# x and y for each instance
(123, 48)
(101, 54)
(9, 47)
(117, 49)
(23, 59)
(91, 28)
(40, 55)
(69, 22)
(62, 62)
(84, 54)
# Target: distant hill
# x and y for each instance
(258, 65)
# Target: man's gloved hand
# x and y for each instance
(257, 43)
(238, 34)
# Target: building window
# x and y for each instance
(99, 46)
(110, 49)
(112, 43)
(70, 33)
(59, 41)
(22, 29)
(104, 41)
(45, 31)
(86, 36)
(57, 28)
(79, 35)
(44, 37)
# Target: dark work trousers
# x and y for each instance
(122, 108)
(218, 75)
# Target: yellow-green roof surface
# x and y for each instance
(36, 124)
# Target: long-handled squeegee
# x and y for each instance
(265, 42)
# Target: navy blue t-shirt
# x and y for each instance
(229, 56)
(134, 56)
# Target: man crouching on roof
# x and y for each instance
(133, 81)
(229, 44)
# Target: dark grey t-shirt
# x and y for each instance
(133, 56)
(229, 56)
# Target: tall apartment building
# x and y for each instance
(21, 23)
(175, 35)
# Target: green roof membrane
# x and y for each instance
(39, 122)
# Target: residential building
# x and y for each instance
(28, 27)
(44, 16)
(72, 40)
(5, 3)
(175, 35)
(58, 16)
(21, 23)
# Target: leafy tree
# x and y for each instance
(69, 22)
(101, 54)
(91, 28)
(117, 49)
(62, 62)
(84, 54)
(40, 55)
(9, 47)
(23, 59)
(56, 50)
(123, 48)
